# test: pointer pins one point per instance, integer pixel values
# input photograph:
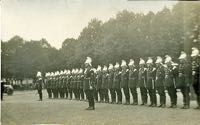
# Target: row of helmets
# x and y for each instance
(65, 72)
(168, 59)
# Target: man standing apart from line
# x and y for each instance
(39, 83)
(88, 84)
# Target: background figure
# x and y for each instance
(195, 74)
(39, 83)
(2, 88)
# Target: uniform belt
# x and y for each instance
(131, 78)
(87, 78)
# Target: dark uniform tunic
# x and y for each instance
(110, 84)
(142, 84)
(116, 86)
(69, 85)
(95, 88)
(65, 86)
(48, 87)
(196, 77)
(99, 84)
(39, 83)
(124, 84)
(105, 87)
(89, 86)
(132, 84)
(183, 82)
(80, 84)
(62, 84)
(59, 83)
(151, 85)
(159, 84)
(57, 86)
(74, 85)
(170, 84)
(53, 84)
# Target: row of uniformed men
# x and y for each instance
(149, 78)
(65, 83)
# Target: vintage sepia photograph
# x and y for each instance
(100, 62)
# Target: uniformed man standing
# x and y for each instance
(73, 83)
(62, 85)
(95, 85)
(170, 81)
(47, 85)
(88, 83)
(77, 85)
(69, 84)
(183, 79)
(54, 85)
(80, 79)
(124, 82)
(133, 76)
(110, 83)
(99, 83)
(142, 78)
(39, 83)
(65, 92)
(105, 84)
(57, 84)
(116, 83)
(51, 84)
(159, 82)
(195, 74)
(151, 82)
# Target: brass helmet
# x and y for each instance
(39, 74)
(88, 61)
(195, 52)
(131, 62)
(158, 60)
(123, 64)
(183, 55)
(142, 62)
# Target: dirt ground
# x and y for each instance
(23, 109)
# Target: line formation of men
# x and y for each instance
(151, 78)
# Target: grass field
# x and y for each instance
(23, 109)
